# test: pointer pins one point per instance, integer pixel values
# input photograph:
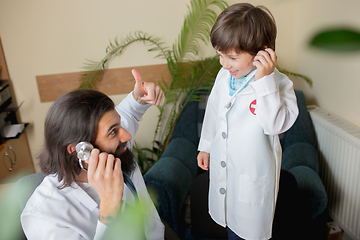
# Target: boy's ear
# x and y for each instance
(71, 148)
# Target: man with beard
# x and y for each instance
(79, 199)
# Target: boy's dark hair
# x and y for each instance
(244, 28)
(72, 118)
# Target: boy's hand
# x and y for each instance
(203, 160)
(146, 92)
(265, 62)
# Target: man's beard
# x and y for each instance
(127, 159)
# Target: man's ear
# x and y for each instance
(71, 148)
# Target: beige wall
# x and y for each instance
(336, 78)
(47, 37)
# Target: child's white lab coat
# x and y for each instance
(241, 135)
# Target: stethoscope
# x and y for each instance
(84, 149)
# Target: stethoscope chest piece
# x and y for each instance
(83, 150)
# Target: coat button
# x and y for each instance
(223, 164)
(228, 106)
(222, 191)
(223, 135)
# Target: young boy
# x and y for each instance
(249, 105)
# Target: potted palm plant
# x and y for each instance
(189, 74)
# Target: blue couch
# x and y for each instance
(171, 177)
(301, 159)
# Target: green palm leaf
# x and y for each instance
(197, 25)
(188, 76)
(95, 69)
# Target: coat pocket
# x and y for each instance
(252, 189)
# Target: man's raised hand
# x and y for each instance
(146, 92)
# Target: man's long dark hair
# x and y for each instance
(72, 118)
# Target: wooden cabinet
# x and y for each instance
(15, 159)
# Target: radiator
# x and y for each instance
(338, 144)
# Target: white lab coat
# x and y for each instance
(241, 135)
(71, 213)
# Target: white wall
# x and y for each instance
(47, 37)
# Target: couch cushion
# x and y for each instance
(170, 181)
(26, 186)
(302, 130)
(187, 124)
(185, 151)
(300, 154)
(311, 190)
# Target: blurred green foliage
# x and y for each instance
(128, 225)
(10, 227)
(344, 40)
